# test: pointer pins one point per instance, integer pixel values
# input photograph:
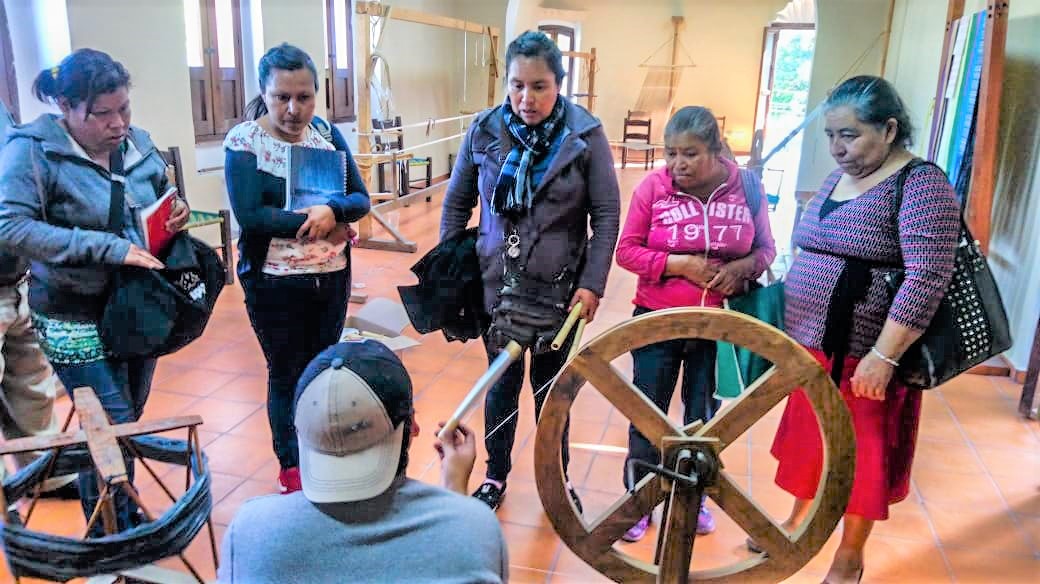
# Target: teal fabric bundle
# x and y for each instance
(736, 367)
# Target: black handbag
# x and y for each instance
(150, 313)
(970, 325)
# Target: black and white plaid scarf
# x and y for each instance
(514, 191)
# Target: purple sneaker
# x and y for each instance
(705, 522)
(637, 531)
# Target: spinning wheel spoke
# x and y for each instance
(794, 367)
(766, 532)
(615, 521)
(647, 417)
(760, 397)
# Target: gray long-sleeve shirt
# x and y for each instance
(413, 532)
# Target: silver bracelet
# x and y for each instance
(884, 357)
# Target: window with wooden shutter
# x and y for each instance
(563, 36)
(8, 83)
(214, 46)
(339, 78)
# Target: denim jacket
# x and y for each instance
(578, 189)
(54, 205)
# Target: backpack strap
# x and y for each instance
(752, 190)
(116, 220)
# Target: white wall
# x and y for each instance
(155, 58)
(846, 30)
(914, 52)
(300, 23)
(914, 64)
(31, 54)
(724, 40)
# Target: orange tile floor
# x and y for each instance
(973, 515)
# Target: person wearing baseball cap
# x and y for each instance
(358, 517)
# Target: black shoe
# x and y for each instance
(67, 492)
(490, 495)
(577, 501)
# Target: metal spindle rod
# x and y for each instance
(505, 358)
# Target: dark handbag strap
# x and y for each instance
(116, 220)
(897, 198)
(852, 287)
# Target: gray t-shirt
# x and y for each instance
(414, 532)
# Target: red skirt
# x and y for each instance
(886, 434)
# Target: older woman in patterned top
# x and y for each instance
(840, 308)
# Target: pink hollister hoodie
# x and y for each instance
(663, 221)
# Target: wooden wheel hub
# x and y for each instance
(794, 368)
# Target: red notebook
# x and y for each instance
(153, 222)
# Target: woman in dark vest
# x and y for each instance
(541, 169)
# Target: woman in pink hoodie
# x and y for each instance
(693, 239)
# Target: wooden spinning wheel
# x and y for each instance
(694, 450)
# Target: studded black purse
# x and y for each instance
(970, 325)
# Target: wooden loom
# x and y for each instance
(365, 156)
(691, 454)
(979, 210)
(590, 58)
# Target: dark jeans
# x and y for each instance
(122, 388)
(656, 371)
(295, 318)
(503, 400)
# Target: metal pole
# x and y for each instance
(498, 367)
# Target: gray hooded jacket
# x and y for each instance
(54, 204)
(12, 267)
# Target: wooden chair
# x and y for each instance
(636, 136)
(396, 142)
(203, 218)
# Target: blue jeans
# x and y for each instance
(122, 387)
(656, 371)
(295, 318)
(503, 399)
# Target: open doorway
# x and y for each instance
(783, 96)
(784, 86)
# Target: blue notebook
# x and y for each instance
(314, 177)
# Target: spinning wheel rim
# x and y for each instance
(794, 368)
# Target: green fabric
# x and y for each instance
(736, 367)
(67, 342)
(201, 218)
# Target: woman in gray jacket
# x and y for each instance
(55, 193)
(541, 168)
